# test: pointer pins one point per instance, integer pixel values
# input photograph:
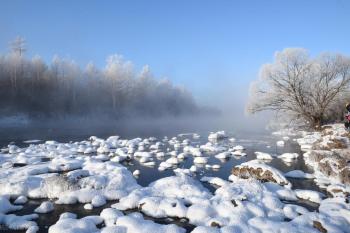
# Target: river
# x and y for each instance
(252, 141)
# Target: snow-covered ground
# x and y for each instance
(96, 173)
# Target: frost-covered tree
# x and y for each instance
(118, 73)
(18, 46)
(301, 87)
(39, 89)
(38, 68)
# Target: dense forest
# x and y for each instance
(37, 89)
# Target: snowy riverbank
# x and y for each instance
(256, 197)
(328, 153)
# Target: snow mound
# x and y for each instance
(136, 223)
(71, 225)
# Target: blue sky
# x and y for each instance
(211, 47)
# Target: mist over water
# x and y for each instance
(79, 128)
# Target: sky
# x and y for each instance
(214, 48)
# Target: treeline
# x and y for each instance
(37, 89)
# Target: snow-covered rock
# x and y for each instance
(136, 173)
(98, 201)
(310, 195)
(238, 153)
(214, 180)
(71, 225)
(136, 223)
(280, 143)
(192, 150)
(217, 136)
(6, 206)
(288, 156)
(193, 168)
(200, 160)
(223, 155)
(293, 211)
(260, 171)
(165, 197)
(110, 216)
(20, 200)
(164, 165)
(338, 190)
(263, 156)
(210, 147)
(172, 161)
(237, 148)
(88, 206)
(45, 207)
(299, 174)
(24, 222)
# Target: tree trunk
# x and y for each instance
(317, 122)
